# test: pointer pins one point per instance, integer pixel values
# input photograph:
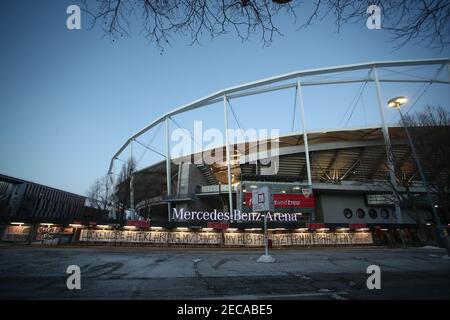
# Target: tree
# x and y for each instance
(100, 193)
(106, 195)
(429, 130)
(433, 149)
(425, 22)
(122, 186)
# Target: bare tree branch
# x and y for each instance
(419, 21)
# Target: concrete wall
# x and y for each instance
(190, 177)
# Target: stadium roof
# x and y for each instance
(336, 156)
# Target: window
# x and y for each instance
(373, 213)
(360, 213)
(348, 213)
(385, 213)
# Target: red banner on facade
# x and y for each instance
(314, 226)
(357, 225)
(286, 200)
(138, 224)
(218, 225)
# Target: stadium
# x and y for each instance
(342, 185)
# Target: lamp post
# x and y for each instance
(396, 103)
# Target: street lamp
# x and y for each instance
(396, 103)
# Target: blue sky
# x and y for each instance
(70, 99)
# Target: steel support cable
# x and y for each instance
(329, 76)
(356, 103)
(234, 115)
(415, 102)
(181, 127)
(405, 74)
(149, 144)
(409, 69)
(351, 104)
(425, 88)
(419, 93)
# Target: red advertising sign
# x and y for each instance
(314, 226)
(357, 225)
(138, 224)
(286, 200)
(218, 225)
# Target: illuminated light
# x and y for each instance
(323, 229)
(283, 191)
(103, 226)
(182, 228)
(75, 225)
(130, 227)
(207, 229)
(436, 206)
(17, 223)
(397, 102)
(428, 224)
(46, 224)
(156, 228)
(244, 190)
(277, 229)
(302, 229)
(232, 229)
(384, 229)
(253, 186)
(253, 229)
(363, 229)
(342, 229)
(296, 188)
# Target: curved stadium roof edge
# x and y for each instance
(318, 140)
(222, 94)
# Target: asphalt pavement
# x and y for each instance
(34, 272)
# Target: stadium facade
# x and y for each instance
(351, 189)
(340, 180)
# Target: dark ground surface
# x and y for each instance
(33, 272)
